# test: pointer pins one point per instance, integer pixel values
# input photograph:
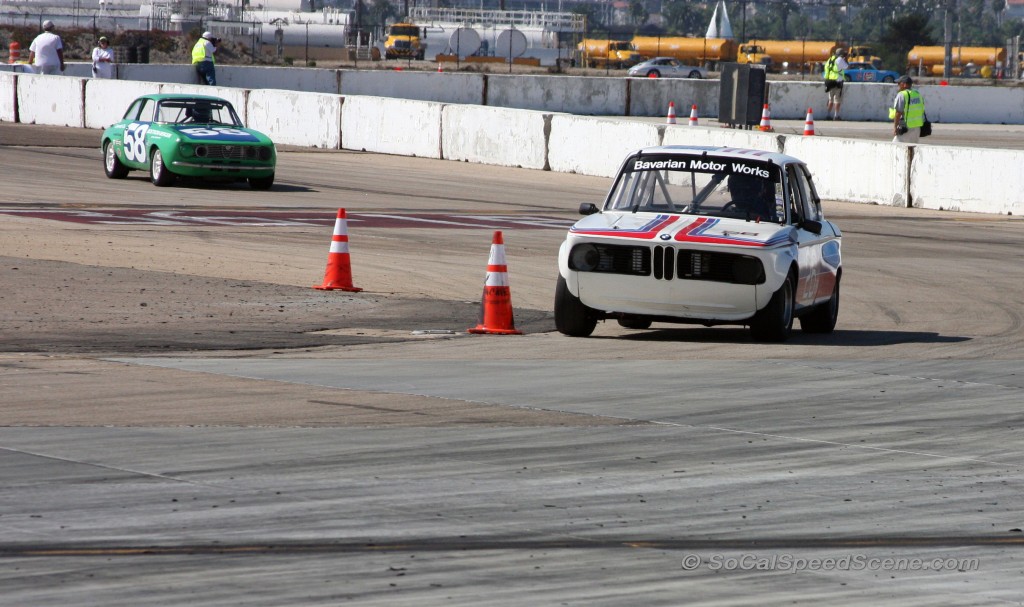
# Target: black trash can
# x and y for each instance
(143, 53)
(132, 55)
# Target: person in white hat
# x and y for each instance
(202, 58)
(103, 59)
(46, 53)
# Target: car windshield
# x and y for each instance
(197, 111)
(700, 185)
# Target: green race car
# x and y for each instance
(190, 136)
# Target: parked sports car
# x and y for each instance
(865, 72)
(187, 135)
(704, 235)
(666, 67)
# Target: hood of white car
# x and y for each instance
(684, 228)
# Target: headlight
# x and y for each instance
(265, 153)
(584, 258)
(186, 149)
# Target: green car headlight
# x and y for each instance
(186, 149)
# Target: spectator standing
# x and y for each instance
(202, 58)
(907, 112)
(103, 59)
(46, 53)
(835, 77)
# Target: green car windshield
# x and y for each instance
(700, 186)
(197, 111)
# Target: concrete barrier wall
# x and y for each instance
(310, 80)
(516, 138)
(596, 146)
(923, 176)
(107, 100)
(733, 138)
(601, 96)
(307, 119)
(52, 100)
(446, 87)
(967, 179)
(855, 170)
(8, 97)
(651, 96)
(391, 126)
(585, 96)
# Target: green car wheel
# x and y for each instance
(158, 172)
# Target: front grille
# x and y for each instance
(720, 267)
(619, 259)
(667, 263)
(233, 152)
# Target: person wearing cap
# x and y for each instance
(835, 76)
(46, 53)
(202, 58)
(907, 112)
(103, 59)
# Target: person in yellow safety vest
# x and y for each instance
(907, 112)
(835, 76)
(202, 58)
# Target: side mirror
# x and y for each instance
(811, 226)
(588, 208)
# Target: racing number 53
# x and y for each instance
(213, 132)
(135, 142)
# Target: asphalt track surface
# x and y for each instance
(185, 421)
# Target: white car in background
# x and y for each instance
(703, 235)
(666, 67)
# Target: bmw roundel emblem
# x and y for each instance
(665, 237)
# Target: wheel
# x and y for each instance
(111, 163)
(158, 172)
(572, 317)
(695, 74)
(634, 323)
(888, 79)
(654, 74)
(824, 316)
(775, 321)
(261, 183)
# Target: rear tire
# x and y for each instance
(158, 172)
(775, 321)
(824, 316)
(572, 317)
(111, 163)
(261, 183)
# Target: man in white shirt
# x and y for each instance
(46, 53)
(103, 59)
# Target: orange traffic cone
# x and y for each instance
(671, 112)
(338, 276)
(693, 115)
(496, 303)
(439, 69)
(809, 123)
(766, 119)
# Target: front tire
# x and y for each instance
(111, 163)
(158, 172)
(572, 316)
(775, 321)
(695, 74)
(654, 74)
(824, 316)
(261, 183)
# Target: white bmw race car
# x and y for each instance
(704, 235)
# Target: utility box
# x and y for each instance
(743, 91)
